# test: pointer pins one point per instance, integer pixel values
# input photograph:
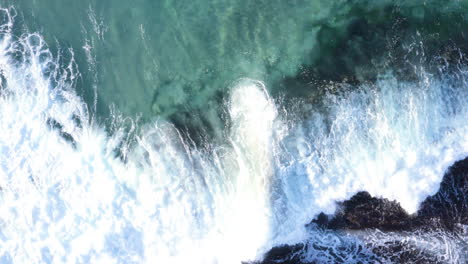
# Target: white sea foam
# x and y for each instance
(70, 201)
(392, 139)
(66, 197)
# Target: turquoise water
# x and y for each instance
(211, 131)
(161, 57)
(169, 59)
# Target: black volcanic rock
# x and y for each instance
(363, 211)
(447, 207)
(439, 212)
(284, 254)
(449, 204)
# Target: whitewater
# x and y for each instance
(73, 192)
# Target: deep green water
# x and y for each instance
(176, 59)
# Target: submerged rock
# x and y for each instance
(442, 213)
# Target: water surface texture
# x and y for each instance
(211, 131)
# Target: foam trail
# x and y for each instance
(392, 139)
(226, 192)
(66, 198)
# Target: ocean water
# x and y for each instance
(211, 131)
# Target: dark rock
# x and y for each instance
(284, 254)
(322, 220)
(439, 212)
(55, 125)
(363, 211)
(449, 204)
(447, 207)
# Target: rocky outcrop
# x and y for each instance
(443, 211)
(447, 207)
(364, 211)
(450, 204)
